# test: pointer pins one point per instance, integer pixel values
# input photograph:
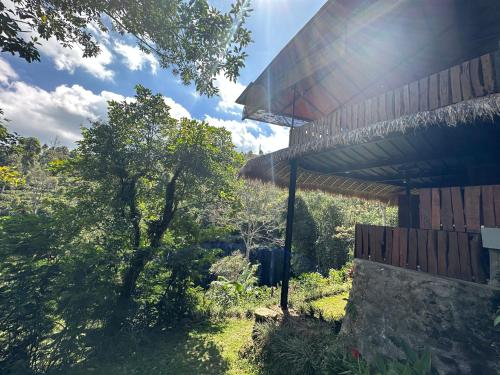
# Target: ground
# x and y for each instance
(205, 348)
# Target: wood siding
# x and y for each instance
(447, 253)
(471, 79)
(460, 209)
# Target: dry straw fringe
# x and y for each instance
(466, 113)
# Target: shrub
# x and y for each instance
(235, 285)
(308, 346)
(339, 276)
(299, 346)
(312, 282)
(169, 290)
(231, 267)
(313, 285)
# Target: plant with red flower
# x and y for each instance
(355, 353)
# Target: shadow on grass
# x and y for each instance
(300, 345)
(184, 351)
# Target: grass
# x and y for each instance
(207, 348)
(333, 307)
(203, 348)
(231, 340)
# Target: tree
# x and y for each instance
(8, 143)
(193, 38)
(305, 235)
(259, 217)
(9, 177)
(29, 149)
(146, 166)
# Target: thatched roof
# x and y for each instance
(455, 123)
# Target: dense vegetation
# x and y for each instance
(113, 240)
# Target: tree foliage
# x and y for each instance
(193, 38)
(147, 167)
(305, 235)
(259, 215)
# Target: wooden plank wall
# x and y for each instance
(408, 214)
(447, 253)
(471, 79)
(459, 209)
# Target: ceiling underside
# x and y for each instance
(353, 49)
(380, 169)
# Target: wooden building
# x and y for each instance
(396, 101)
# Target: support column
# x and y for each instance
(410, 211)
(288, 235)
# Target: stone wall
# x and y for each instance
(453, 319)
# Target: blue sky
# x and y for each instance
(51, 99)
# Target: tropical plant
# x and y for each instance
(230, 267)
(228, 292)
(8, 143)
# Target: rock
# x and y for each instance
(263, 314)
(452, 319)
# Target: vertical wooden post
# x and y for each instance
(289, 220)
(408, 196)
(288, 235)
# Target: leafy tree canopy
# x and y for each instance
(193, 38)
(147, 168)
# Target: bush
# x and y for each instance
(299, 346)
(231, 267)
(340, 276)
(169, 290)
(313, 285)
(305, 235)
(308, 346)
(235, 286)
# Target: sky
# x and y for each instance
(53, 98)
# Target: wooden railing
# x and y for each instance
(471, 79)
(459, 209)
(454, 254)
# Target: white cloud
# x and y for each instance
(99, 34)
(177, 111)
(59, 113)
(6, 72)
(229, 92)
(245, 139)
(52, 114)
(134, 58)
(71, 58)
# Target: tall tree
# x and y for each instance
(30, 149)
(193, 38)
(149, 165)
(305, 228)
(258, 216)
